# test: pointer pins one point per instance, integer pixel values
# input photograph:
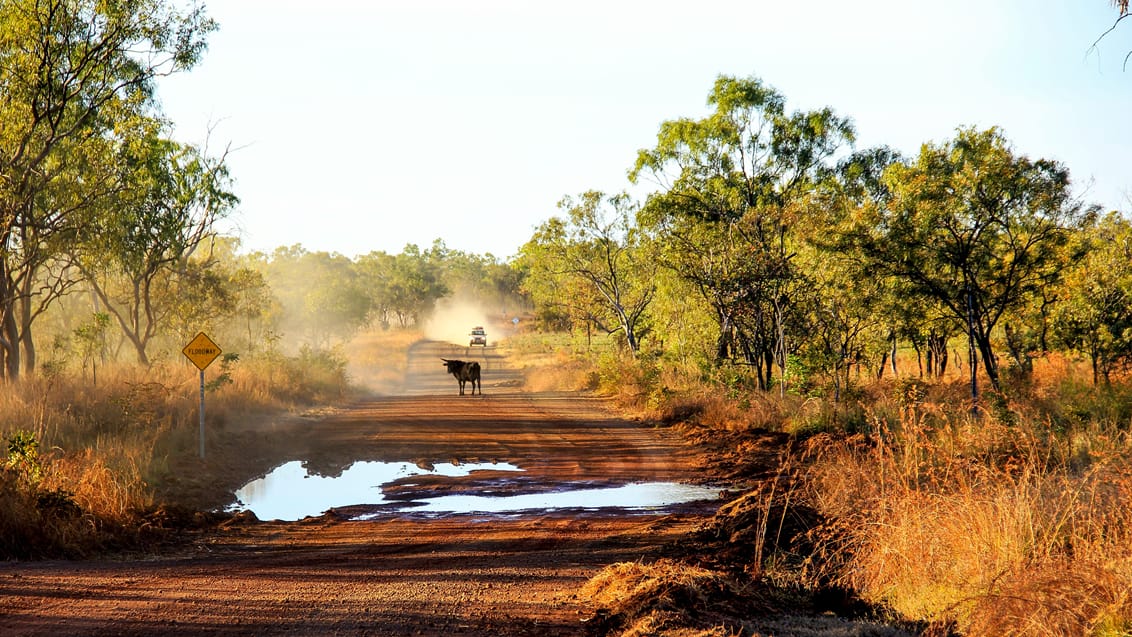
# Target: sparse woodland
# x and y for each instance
(946, 338)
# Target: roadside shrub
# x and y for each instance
(23, 457)
(36, 518)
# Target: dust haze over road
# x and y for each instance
(398, 573)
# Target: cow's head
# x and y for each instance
(453, 366)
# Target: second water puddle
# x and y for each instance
(290, 492)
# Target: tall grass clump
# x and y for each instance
(981, 524)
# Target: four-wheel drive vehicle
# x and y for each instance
(479, 337)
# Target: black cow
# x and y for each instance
(464, 372)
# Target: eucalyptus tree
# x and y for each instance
(322, 296)
(1094, 315)
(406, 287)
(374, 271)
(38, 274)
(69, 70)
(601, 256)
(136, 252)
(481, 279)
(973, 226)
(733, 187)
(417, 282)
(221, 293)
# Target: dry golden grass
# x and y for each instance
(98, 451)
(986, 526)
(663, 598)
(550, 362)
(1014, 521)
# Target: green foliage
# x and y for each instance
(23, 457)
(970, 225)
(136, 255)
(227, 361)
(1094, 316)
(593, 267)
(89, 341)
(728, 218)
(404, 287)
(322, 298)
(73, 88)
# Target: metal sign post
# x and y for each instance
(201, 351)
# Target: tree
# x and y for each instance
(1095, 315)
(136, 256)
(416, 283)
(1122, 12)
(972, 226)
(598, 253)
(482, 279)
(69, 70)
(322, 295)
(733, 188)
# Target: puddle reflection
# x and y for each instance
(290, 493)
(638, 497)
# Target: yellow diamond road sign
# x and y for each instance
(201, 351)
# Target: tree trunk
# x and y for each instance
(893, 357)
(11, 342)
(723, 343)
(27, 344)
(768, 359)
(1014, 345)
(989, 362)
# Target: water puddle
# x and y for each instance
(645, 496)
(373, 489)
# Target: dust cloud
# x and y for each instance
(454, 318)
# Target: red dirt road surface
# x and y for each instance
(399, 573)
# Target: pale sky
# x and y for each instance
(367, 125)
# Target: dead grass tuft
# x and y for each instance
(1054, 598)
(666, 598)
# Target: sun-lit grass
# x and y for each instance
(1015, 519)
(996, 525)
(554, 362)
(84, 460)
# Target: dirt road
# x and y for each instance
(399, 573)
